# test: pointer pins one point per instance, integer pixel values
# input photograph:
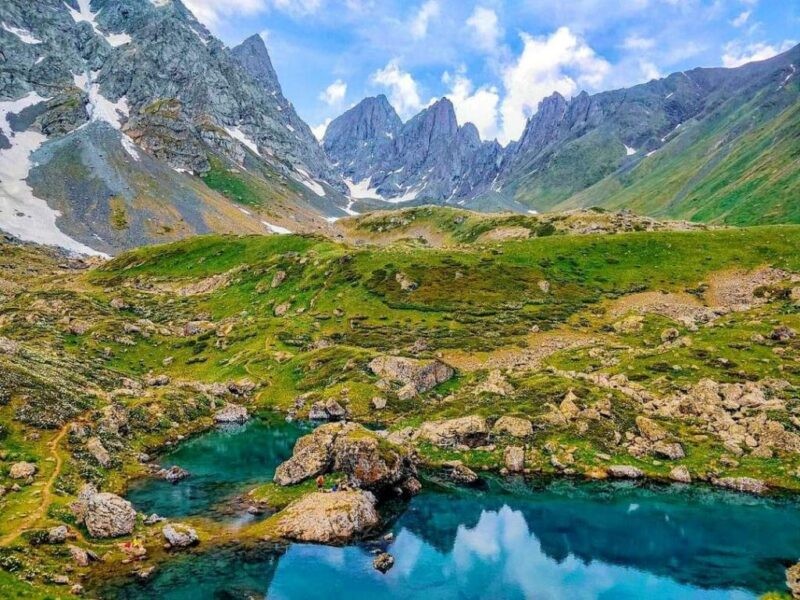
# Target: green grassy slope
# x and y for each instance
(739, 167)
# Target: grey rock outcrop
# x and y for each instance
(416, 376)
(368, 461)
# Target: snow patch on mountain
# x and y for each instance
(276, 228)
(239, 135)
(362, 190)
(307, 181)
(629, 151)
(85, 15)
(24, 35)
(21, 213)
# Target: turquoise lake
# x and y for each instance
(511, 540)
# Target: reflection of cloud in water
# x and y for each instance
(407, 549)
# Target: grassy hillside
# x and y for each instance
(738, 167)
(526, 324)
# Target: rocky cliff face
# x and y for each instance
(428, 159)
(102, 101)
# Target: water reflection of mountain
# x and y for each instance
(701, 538)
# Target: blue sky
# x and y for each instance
(494, 59)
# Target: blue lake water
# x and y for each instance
(513, 540)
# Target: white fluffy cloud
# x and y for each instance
(403, 89)
(561, 62)
(486, 28)
(211, 12)
(636, 42)
(743, 17)
(319, 130)
(334, 93)
(479, 107)
(736, 54)
(419, 25)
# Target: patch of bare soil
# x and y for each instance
(735, 289)
(540, 346)
(501, 234)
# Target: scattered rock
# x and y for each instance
(282, 309)
(118, 304)
(378, 403)
(328, 518)
(569, 406)
(173, 474)
(544, 286)
(513, 426)
(457, 472)
(22, 470)
(193, 328)
(107, 516)
(495, 384)
(57, 535)
(625, 472)
(742, 484)
(157, 380)
(278, 279)
(782, 333)
(82, 557)
(649, 429)
(327, 410)
(632, 324)
(179, 535)
(670, 335)
(469, 431)
(669, 451)
(680, 474)
(153, 519)
(78, 327)
(417, 376)
(231, 413)
(98, 451)
(8, 346)
(383, 562)
(406, 283)
(514, 459)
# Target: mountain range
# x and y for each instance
(715, 145)
(125, 122)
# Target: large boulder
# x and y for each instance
(742, 484)
(328, 518)
(416, 376)
(513, 426)
(467, 431)
(369, 461)
(22, 470)
(625, 472)
(108, 516)
(231, 413)
(457, 472)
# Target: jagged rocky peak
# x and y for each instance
(253, 55)
(372, 119)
